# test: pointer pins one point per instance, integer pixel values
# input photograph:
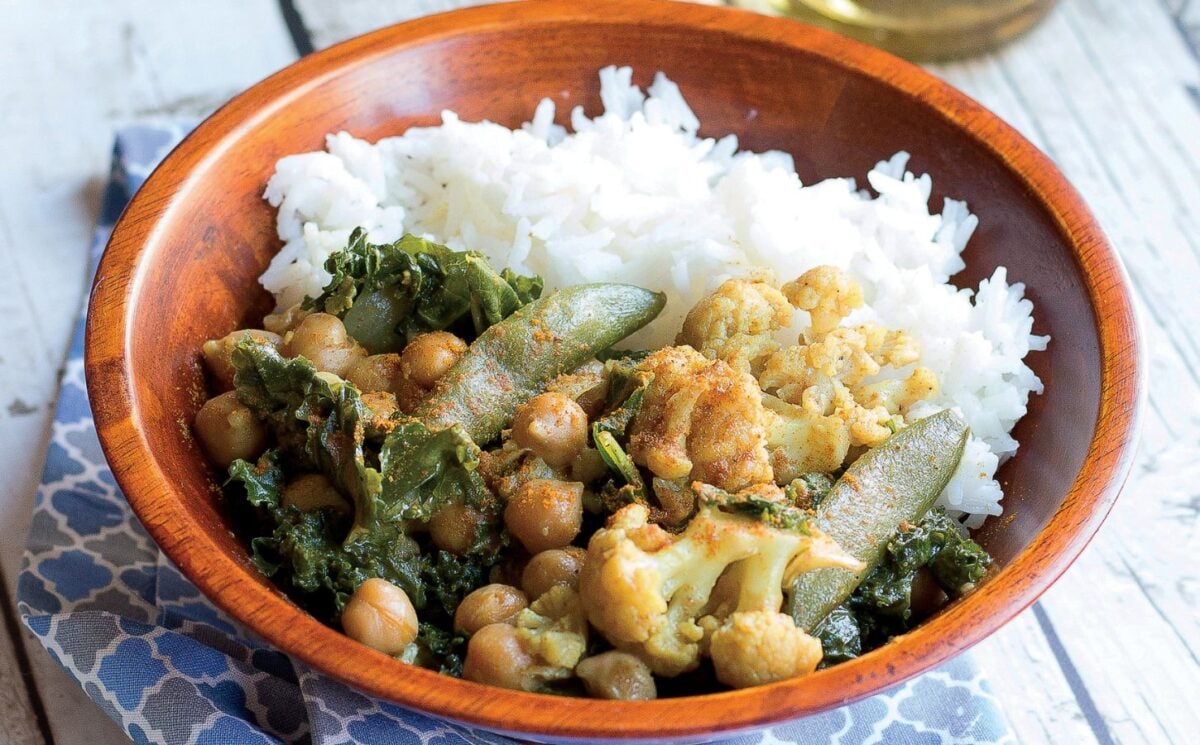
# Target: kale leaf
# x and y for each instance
(839, 635)
(437, 648)
(936, 542)
(426, 470)
(960, 565)
(626, 387)
(404, 472)
(388, 293)
(317, 421)
(303, 550)
(880, 607)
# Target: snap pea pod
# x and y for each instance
(894, 482)
(513, 360)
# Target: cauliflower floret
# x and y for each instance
(700, 419)
(833, 374)
(553, 629)
(750, 641)
(827, 293)
(890, 347)
(897, 395)
(646, 590)
(800, 441)
(817, 377)
(840, 355)
(828, 378)
(827, 391)
(736, 321)
(762, 647)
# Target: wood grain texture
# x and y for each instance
(18, 720)
(114, 63)
(203, 203)
(330, 23)
(1034, 693)
(1187, 17)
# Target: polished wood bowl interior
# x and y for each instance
(182, 264)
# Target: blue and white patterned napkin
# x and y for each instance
(167, 666)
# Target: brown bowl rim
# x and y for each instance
(281, 623)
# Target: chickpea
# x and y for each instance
(228, 430)
(927, 596)
(617, 675)
(322, 339)
(495, 657)
(588, 466)
(283, 321)
(427, 357)
(490, 604)
(313, 491)
(218, 353)
(381, 616)
(592, 400)
(558, 566)
(545, 514)
(379, 372)
(553, 426)
(455, 527)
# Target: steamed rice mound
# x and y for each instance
(635, 195)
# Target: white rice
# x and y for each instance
(635, 196)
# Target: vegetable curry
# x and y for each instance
(463, 472)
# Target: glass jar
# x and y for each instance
(924, 30)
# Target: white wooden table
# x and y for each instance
(1110, 89)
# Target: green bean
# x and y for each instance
(516, 358)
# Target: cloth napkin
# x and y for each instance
(168, 666)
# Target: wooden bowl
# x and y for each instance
(182, 263)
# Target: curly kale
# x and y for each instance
(959, 565)
(936, 542)
(426, 470)
(840, 636)
(438, 649)
(319, 427)
(404, 472)
(388, 293)
(304, 550)
(881, 606)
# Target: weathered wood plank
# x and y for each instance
(1019, 661)
(120, 61)
(18, 716)
(1187, 17)
(329, 23)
